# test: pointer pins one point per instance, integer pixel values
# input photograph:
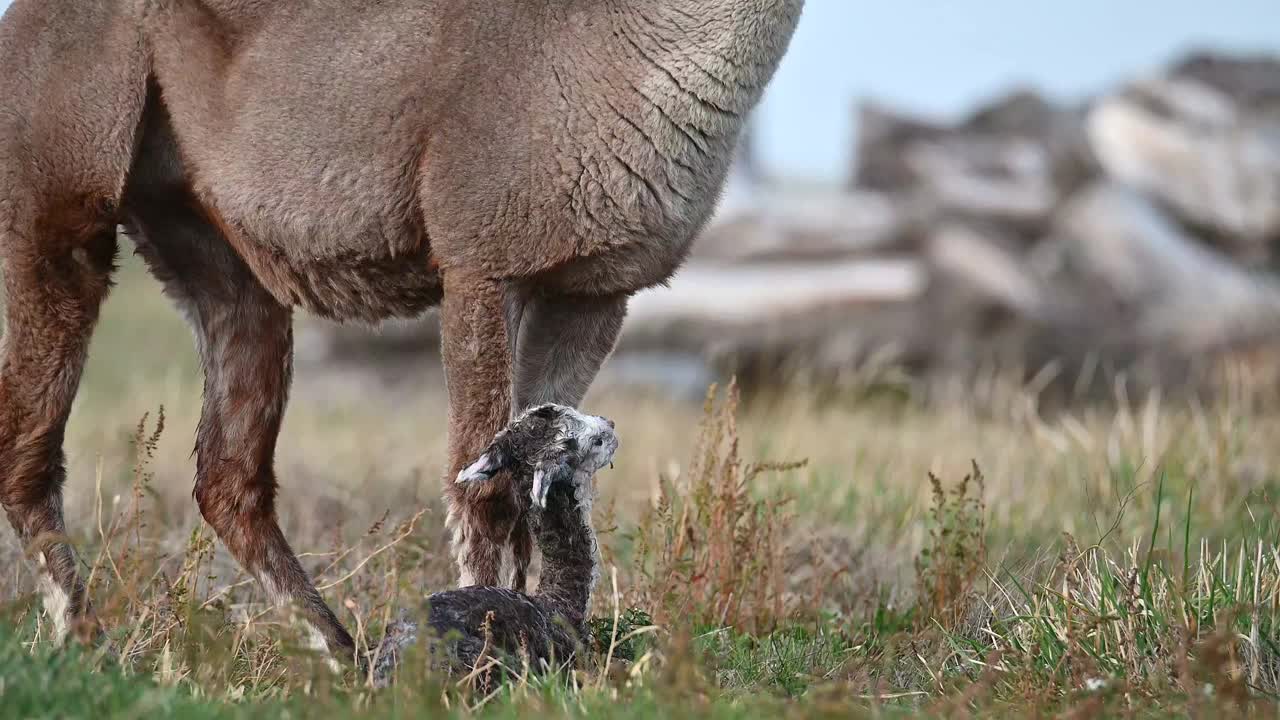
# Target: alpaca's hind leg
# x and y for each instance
(245, 339)
(56, 274)
(247, 347)
(561, 344)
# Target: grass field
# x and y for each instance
(1108, 560)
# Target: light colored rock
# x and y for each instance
(997, 179)
(1188, 146)
(703, 302)
(986, 269)
(804, 225)
(1180, 294)
(1008, 160)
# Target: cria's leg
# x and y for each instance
(245, 340)
(56, 274)
(562, 343)
(478, 376)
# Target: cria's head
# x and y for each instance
(550, 443)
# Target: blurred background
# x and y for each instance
(1072, 192)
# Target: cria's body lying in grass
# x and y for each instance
(553, 452)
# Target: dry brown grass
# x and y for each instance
(1111, 557)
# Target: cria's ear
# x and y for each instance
(545, 475)
(481, 469)
(494, 459)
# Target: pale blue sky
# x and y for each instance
(941, 56)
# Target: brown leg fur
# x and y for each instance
(482, 516)
(521, 540)
(247, 349)
(245, 339)
(56, 275)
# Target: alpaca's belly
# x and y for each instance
(356, 276)
(328, 254)
(359, 255)
(324, 211)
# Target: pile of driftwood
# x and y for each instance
(1132, 234)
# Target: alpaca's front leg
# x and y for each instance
(477, 363)
(562, 343)
(55, 280)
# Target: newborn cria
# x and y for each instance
(553, 452)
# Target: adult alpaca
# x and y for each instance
(525, 164)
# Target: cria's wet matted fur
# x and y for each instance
(525, 164)
(553, 453)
